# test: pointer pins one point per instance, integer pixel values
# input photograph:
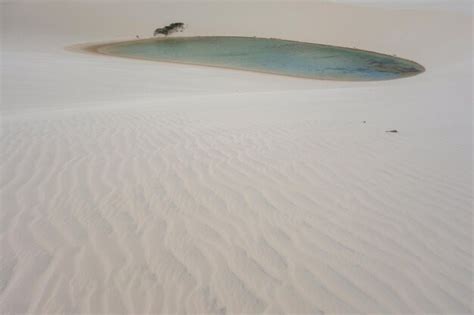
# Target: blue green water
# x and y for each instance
(306, 60)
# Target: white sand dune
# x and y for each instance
(130, 186)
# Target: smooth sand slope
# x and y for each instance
(129, 186)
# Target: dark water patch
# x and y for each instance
(276, 56)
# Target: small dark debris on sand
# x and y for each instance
(392, 131)
(364, 122)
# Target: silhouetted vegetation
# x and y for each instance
(170, 29)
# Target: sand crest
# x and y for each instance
(130, 186)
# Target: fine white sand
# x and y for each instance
(130, 186)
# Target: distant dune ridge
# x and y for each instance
(459, 6)
(130, 186)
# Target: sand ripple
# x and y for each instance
(164, 212)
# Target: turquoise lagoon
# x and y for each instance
(268, 55)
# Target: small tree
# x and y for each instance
(170, 29)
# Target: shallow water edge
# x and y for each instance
(264, 55)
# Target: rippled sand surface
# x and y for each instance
(138, 187)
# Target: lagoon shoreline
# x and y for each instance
(101, 48)
(143, 187)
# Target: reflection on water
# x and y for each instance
(276, 56)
